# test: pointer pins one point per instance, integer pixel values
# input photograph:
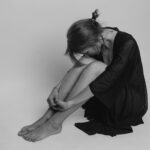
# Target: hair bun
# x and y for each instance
(95, 14)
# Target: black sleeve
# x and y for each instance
(112, 72)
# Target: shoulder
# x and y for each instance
(121, 36)
(125, 38)
(125, 35)
(125, 45)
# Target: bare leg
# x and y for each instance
(86, 77)
(69, 79)
(53, 125)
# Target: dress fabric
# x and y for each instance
(120, 94)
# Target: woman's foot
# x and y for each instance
(27, 129)
(46, 129)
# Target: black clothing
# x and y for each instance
(120, 95)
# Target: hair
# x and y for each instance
(82, 34)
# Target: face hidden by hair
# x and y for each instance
(93, 50)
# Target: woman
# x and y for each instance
(107, 81)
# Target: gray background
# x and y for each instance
(32, 44)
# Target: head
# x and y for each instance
(84, 37)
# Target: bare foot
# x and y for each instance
(46, 129)
(27, 129)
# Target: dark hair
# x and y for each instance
(82, 34)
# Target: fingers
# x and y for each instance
(58, 108)
(58, 101)
(51, 102)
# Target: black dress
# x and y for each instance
(120, 94)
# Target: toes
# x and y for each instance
(30, 137)
(27, 138)
(24, 128)
(27, 135)
(19, 133)
(33, 140)
(24, 132)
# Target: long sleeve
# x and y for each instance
(109, 77)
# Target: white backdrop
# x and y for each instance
(32, 61)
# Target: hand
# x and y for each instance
(62, 105)
(52, 97)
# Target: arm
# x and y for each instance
(83, 96)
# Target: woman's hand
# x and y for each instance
(52, 97)
(62, 105)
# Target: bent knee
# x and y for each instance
(87, 60)
(97, 67)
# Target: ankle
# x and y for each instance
(55, 124)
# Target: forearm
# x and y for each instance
(84, 95)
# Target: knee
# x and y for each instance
(97, 67)
(87, 60)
